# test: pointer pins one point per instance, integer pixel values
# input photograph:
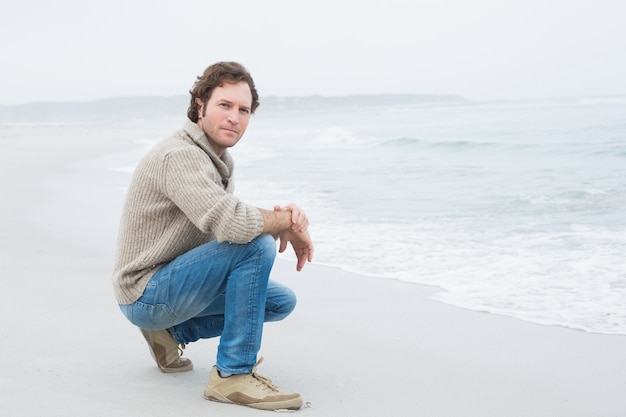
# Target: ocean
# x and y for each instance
(514, 208)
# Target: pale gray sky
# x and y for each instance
(69, 50)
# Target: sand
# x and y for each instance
(355, 346)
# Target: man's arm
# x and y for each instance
(275, 222)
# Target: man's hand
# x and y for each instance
(301, 243)
(290, 225)
(299, 221)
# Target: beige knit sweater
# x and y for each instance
(177, 201)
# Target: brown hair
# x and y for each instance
(215, 76)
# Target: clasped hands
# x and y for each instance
(297, 235)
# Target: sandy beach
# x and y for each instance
(355, 346)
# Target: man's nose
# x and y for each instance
(233, 116)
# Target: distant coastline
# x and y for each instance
(159, 107)
(105, 110)
(175, 107)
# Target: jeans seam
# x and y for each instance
(251, 302)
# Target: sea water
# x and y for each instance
(513, 208)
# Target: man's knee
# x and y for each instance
(281, 301)
(289, 302)
(266, 246)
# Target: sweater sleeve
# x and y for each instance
(193, 183)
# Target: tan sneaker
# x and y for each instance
(252, 390)
(166, 351)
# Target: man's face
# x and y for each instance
(224, 118)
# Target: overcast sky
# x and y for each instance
(69, 50)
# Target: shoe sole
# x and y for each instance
(294, 404)
(176, 370)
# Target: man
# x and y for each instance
(193, 261)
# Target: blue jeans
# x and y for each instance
(217, 289)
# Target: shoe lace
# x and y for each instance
(262, 379)
(181, 347)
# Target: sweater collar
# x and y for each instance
(196, 134)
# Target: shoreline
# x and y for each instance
(355, 345)
(435, 290)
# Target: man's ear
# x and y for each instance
(200, 107)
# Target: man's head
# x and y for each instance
(215, 76)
